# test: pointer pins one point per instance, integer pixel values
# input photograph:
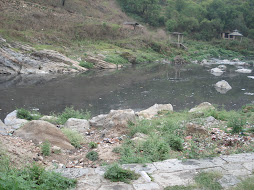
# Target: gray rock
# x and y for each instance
(79, 125)
(202, 107)
(116, 186)
(210, 119)
(216, 71)
(3, 130)
(222, 67)
(12, 121)
(98, 121)
(101, 64)
(153, 110)
(228, 181)
(222, 87)
(147, 186)
(243, 71)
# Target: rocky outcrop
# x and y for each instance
(13, 122)
(101, 64)
(202, 107)
(153, 110)
(23, 59)
(79, 125)
(40, 131)
(98, 121)
(222, 87)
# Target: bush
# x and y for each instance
(174, 142)
(45, 148)
(236, 123)
(32, 177)
(116, 59)
(74, 137)
(114, 173)
(69, 112)
(93, 156)
(87, 65)
(25, 114)
(93, 145)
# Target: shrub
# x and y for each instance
(45, 148)
(93, 156)
(115, 173)
(32, 177)
(69, 112)
(116, 59)
(246, 184)
(87, 65)
(93, 145)
(236, 123)
(74, 137)
(174, 142)
(25, 114)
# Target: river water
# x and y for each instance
(133, 87)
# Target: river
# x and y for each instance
(136, 87)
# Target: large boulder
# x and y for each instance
(79, 125)
(222, 86)
(3, 127)
(115, 118)
(11, 120)
(153, 110)
(40, 131)
(202, 107)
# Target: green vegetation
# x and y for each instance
(45, 148)
(180, 187)
(93, 156)
(208, 180)
(115, 173)
(246, 184)
(31, 177)
(93, 145)
(69, 112)
(116, 59)
(74, 137)
(85, 64)
(236, 123)
(28, 115)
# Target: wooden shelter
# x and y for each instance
(177, 38)
(232, 36)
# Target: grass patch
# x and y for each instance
(45, 148)
(115, 173)
(28, 115)
(31, 177)
(74, 137)
(93, 145)
(236, 123)
(180, 187)
(246, 184)
(87, 65)
(116, 59)
(93, 156)
(208, 180)
(69, 112)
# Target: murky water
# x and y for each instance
(133, 87)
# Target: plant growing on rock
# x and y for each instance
(25, 114)
(115, 173)
(93, 156)
(93, 145)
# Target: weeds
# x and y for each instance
(236, 123)
(93, 145)
(87, 65)
(45, 148)
(69, 112)
(93, 156)
(25, 114)
(115, 173)
(208, 180)
(246, 184)
(74, 137)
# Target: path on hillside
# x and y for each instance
(167, 173)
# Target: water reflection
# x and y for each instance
(133, 87)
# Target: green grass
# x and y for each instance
(236, 123)
(31, 177)
(116, 59)
(246, 184)
(69, 112)
(93, 156)
(208, 180)
(115, 173)
(74, 137)
(45, 148)
(93, 145)
(87, 65)
(28, 115)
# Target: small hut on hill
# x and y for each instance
(235, 35)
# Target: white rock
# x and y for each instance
(3, 130)
(216, 71)
(243, 71)
(202, 107)
(251, 77)
(222, 87)
(79, 125)
(145, 176)
(153, 110)
(222, 67)
(14, 122)
(236, 60)
(47, 117)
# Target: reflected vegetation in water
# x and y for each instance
(132, 87)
